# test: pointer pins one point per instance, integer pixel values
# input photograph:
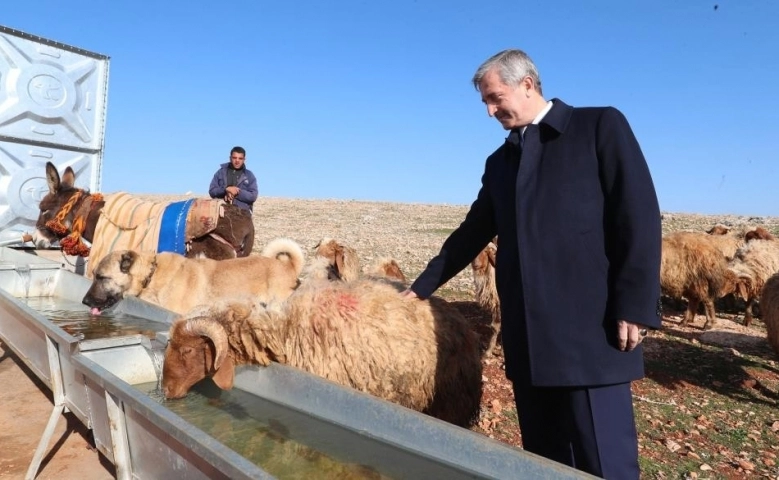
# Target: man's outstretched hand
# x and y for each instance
(408, 293)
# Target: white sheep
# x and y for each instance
(752, 265)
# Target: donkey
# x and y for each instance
(69, 214)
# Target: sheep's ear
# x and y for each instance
(491, 257)
(225, 375)
(742, 290)
(339, 261)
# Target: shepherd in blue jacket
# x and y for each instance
(234, 182)
(570, 197)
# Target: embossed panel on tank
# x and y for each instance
(51, 93)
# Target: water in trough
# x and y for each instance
(75, 319)
(290, 444)
(286, 443)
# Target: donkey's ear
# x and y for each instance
(52, 177)
(68, 178)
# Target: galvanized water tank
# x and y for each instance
(52, 108)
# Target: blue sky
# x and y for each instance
(372, 100)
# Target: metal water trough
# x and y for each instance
(94, 380)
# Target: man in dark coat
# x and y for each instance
(234, 182)
(571, 199)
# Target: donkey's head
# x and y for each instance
(55, 220)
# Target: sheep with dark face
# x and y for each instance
(364, 334)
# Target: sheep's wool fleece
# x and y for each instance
(419, 354)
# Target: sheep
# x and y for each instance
(345, 265)
(386, 267)
(752, 265)
(421, 354)
(769, 307)
(694, 268)
(759, 233)
(718, 230)
(483, 267)
(728, 241)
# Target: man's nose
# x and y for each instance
(491, 109)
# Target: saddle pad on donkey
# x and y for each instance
(203, 216)
(128, 223)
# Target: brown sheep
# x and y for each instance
(694, 268)
(386, 268)
(759, 233)
(769, 307)
(718, 230)
(344, 262)
(483, 267)
(421, 354)
(753, 264)
(726, 240)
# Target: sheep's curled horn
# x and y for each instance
(215, 332)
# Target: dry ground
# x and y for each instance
(707, 408)
(26, 406)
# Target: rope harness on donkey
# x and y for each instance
(73, 244)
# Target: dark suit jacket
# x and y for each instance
(579, 241)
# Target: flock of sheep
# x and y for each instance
(703, 267)
(344, 324)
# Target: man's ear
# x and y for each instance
(225, 375)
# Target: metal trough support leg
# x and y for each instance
(59, 407)
(119, 443)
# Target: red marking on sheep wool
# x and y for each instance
(347, 303)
